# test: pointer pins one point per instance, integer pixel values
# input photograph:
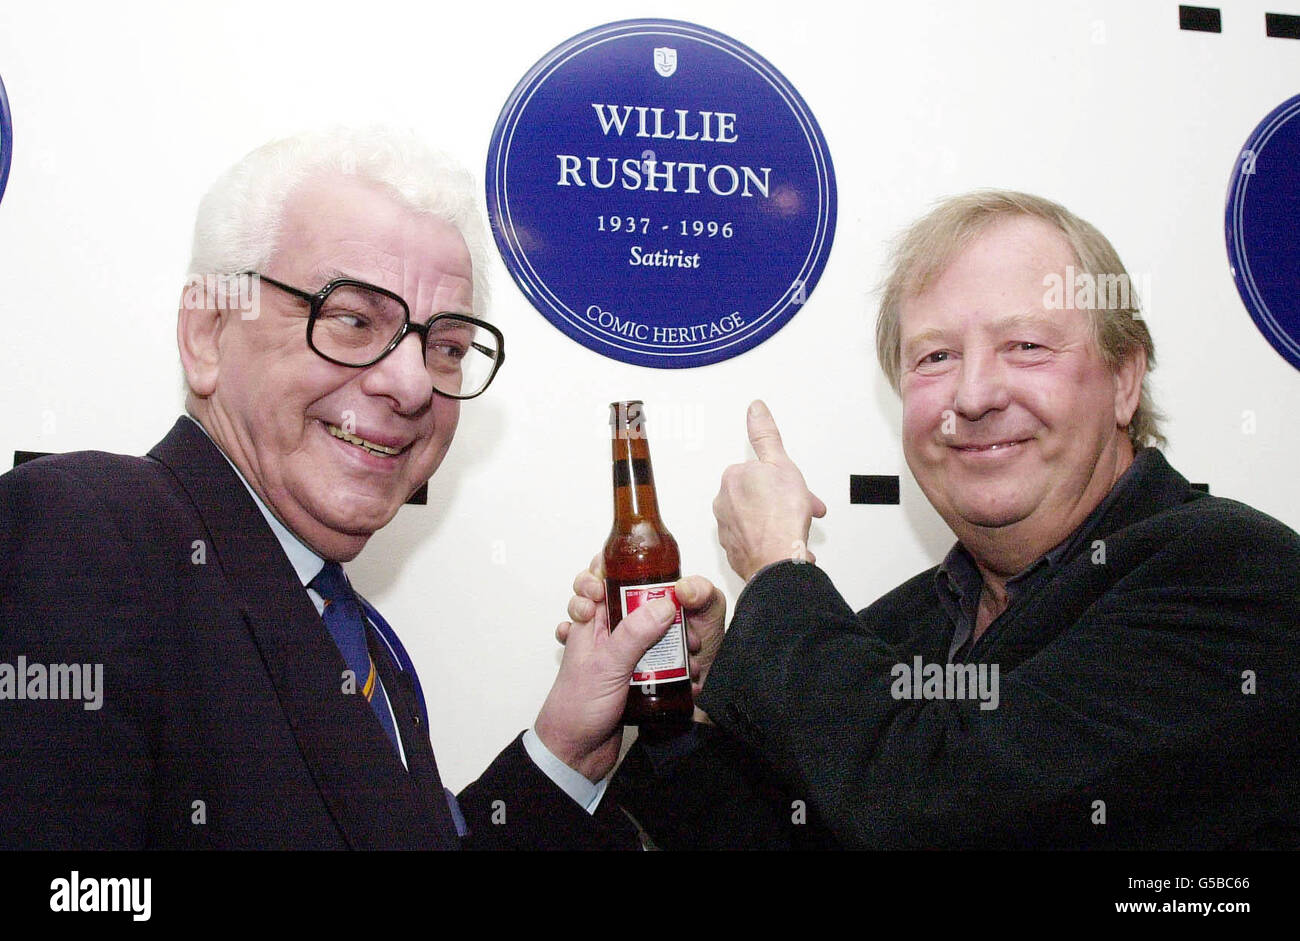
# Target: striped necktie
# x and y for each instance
(347, 625)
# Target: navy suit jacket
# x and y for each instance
(223, 721)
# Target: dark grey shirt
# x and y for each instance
(959, 583)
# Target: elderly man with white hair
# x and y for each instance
(250, 698)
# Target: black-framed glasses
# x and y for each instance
(353, 323)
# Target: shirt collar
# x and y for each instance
(958, 578)
(306, 563)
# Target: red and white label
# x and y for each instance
(665, 662)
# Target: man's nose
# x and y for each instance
(402, 376)
(981, 386)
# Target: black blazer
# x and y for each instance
(223, 722)
(1149, 698)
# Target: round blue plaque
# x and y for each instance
(661, 193)
(1263, 234)
(6, 139)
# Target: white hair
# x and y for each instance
(239, 219)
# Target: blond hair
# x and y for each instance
(923, 252)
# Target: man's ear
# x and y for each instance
(198, 333)
(1128, 385)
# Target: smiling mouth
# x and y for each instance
(979, 448)
(378, 450)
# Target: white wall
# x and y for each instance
(125, 112)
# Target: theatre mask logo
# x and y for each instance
(665, 61)
(671, 216)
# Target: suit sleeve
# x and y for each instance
(515, 806)
(709, 791)
(75, 771)
(1140, 703)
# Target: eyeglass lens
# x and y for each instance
(355, 325)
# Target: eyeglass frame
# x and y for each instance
(410, 326)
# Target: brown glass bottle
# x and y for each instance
(642, 563)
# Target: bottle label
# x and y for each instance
(665, 662)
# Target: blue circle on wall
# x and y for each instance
(6, 139)
(1263, 228)
(660, 193)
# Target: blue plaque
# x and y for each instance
(1263, 234)
(6, 139)
(661, 193)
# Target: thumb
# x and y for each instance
(640, 631)
(764, 436)
(704, 604)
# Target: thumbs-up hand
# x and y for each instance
(764, 508)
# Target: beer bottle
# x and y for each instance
(642, 564)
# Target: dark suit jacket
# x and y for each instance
(223, 721)
(1150, 699)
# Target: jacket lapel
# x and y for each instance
(423, 769)
(371, 798)
(1062, 601)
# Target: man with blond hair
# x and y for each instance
(1106, 658)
